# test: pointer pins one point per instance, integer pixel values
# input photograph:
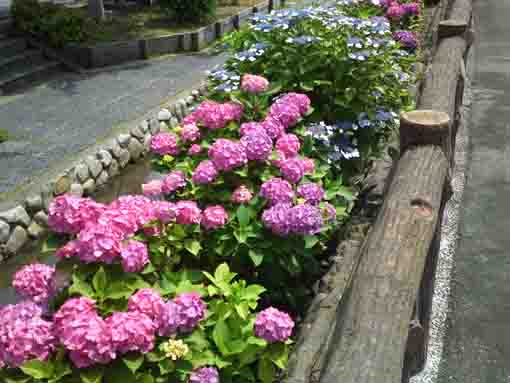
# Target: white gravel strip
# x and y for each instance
(449, 228)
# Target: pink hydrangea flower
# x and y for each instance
(190, 133)
(292, 169)
(286, 113)
(395, 12)
(277, 190)
(215, 116)
(313, 193)
(273, 325)
(84, 333)
(188, 213)
(152, 188)
(280, 158)
(214, 217)
(24, 335)
(302, 101)
(191, 310)
(169, 320)
(205, 375)
(191, 118)
(288, 144)
(131, 331)
(194, 150)
(165, 212)
(70, 249)
(148, 302)
(36, 282)
(305, 219)
(69, 214)
(241, 195)
(254, 84)
(232, 111)
(152, 231)
(412, 8)
(99, 243)
(273, 127)
(329, 212)
(308, 165)
(134, 255)
(227, 154)
(204, 173)
(165, 143)
(275, 219)
(130, 208)
(258, 145)
(173, 181)
(250, 127)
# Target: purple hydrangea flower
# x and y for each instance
(36, 282)
(134, 256)
(406, 38)
(273, 127)
(227, 154)
(412, 8)
(69, 214)
(288, 144)
(273, 325)
(131, 331)
(182, 314)
(313, 193)
(305, 219)
(204, 375)
(214, 217)
(188, 213)
(258, 145)
(190, 133)
(302, 101)
(277, 190)
(164, 211)
(250, 127)
(148, 302)
(173, 181)
(99, 243)
(395, 12)
(275, 218)
(194, 150)
(286, 113)
(204, 173)
(292, 169)
(329, 212)
(241, 195)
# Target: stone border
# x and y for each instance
(117, 52)
(29, 219)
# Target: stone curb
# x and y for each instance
(29, 220)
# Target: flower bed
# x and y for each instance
(199, 279)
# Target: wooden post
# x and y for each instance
(96, 9)
(370, 336)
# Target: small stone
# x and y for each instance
(81, 172)
(5, 229)
(174, 122)
(76, 190)
(41, 218)
(144, 126)
(113, 169)
(163, 125)
(123, 140)
(62, 185)
(147, 143)
(35, 230)
(173, 108)
(164, 115)
(135, 149)
(104, 157)
(17, 215)
(103, 178)
(33, 203)
(124, 158)
(94, 166)
(89, 186)
(16, 241)
(195, 93)
(114, 148)
(182, 109)
(136, 132)
(190, 100)
(154, 126)
(203, 89)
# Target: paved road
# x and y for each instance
(55, 121)
(477, 343)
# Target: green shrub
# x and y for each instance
(189, 11)
(55, 24)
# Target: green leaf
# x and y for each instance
(223, 274)
(81, 287)
(256, 257)
(279, 355)
(133, 361)
(257, 341)
(243, 310)
(92, 375)
(17, 380)
(243, 215)
(252, 292)
(266, 370)
(310, 241)
(166, 366)
(99, 282)
(221, 336)
(38, 369)
(193, 246)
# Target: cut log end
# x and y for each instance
(423, 127)
(452, 27)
